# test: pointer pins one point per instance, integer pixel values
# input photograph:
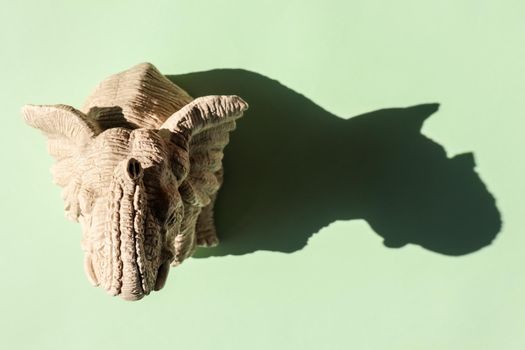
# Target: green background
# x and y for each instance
(345, 289)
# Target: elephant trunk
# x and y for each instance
(130, 272)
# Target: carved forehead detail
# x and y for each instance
(148, 147)
(116, 144)
(105, 152)
(114, 140)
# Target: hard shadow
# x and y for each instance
(292, 168)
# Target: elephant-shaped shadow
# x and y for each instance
(292, 168)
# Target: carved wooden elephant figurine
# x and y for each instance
(140, 165)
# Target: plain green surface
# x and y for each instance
(344, 289)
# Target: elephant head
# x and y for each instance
(136, 191)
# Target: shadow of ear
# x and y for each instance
(292, 168)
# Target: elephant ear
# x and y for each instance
(68, 131)
(197, 135)
(199, 132)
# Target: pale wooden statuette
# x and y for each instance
(140, 165)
